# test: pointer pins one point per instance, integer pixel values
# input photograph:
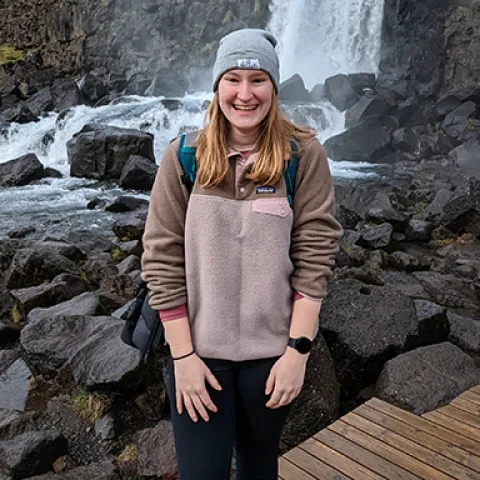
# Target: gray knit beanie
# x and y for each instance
(250, 49)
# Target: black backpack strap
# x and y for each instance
(290, 173)
(186, 157)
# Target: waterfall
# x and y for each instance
(320, 38)
(317, 38)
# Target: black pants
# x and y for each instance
(204, 449)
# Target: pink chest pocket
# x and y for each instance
(278, 207)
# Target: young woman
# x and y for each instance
(238, 275)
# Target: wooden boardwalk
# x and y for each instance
(379, 441)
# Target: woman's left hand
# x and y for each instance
(286, 378)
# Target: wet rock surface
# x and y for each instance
(88, 348)
(407, 277)
(427, 378)
(14, 386)
(31, 453)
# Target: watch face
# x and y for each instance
(303, 344)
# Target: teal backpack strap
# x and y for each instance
(186, 157)
(290, 173)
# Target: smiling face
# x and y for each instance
(245, 98)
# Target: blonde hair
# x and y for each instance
(274, 146)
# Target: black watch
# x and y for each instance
(302, 345)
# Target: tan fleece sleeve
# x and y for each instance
(163, 259)
(315, 230)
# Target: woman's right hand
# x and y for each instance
(191, 373)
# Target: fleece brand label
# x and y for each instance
(261, 190)
(253, 63)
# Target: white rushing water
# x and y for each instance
(320, 38)
(317, 38)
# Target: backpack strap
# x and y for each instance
(290, 173)
(186, 157)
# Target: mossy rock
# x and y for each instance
(228, 18)
(9, 54)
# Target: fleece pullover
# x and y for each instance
(234, 254)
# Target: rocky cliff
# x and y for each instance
(125, 37)
(432, 44)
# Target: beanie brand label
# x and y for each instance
(265, 189)
(253, 63)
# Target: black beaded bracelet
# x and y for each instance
(184, 356)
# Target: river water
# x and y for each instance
(317, 38)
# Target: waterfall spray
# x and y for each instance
(320, 38)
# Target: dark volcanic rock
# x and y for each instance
(381, 210)
(346, 217)
(365, 326)
(61, 247)
(448, 290)
(20, 114)
(14, 422)
(65, 94)
(368, 141)
(427, 378)
(21, 232)
(419, 230)
(466, 157)
(89, 241)
(456, 122)
(33, 266)
(168, 84)
(404, 261)
(101, 152)
(87, 347)
(462, 212)
(409, 114)
(9, 332)
(15, 386)
(376, 236)
(405, 140)
(138, 83)
(86, 304)
(464, 332)
(318, 403)
(31, 453)
(125, 203)
(131, 227)
(21, 171)
(340, 92)
(40, 102)
(413, 43)
(361, 81)
(435, 209)
(138, 173)
(156, 450)
(317, 94)
(7, 301)
(130, 264)
(432, 321)
(62, 288)
(171, 104)
(95, 471)
(293, 90)
(452, 99)
(367, 106)
(133, 247)
(7, 357)
(92, 88)
(105, 427)
(357, 199)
